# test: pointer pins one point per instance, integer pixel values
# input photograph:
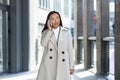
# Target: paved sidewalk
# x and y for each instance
(80, 74)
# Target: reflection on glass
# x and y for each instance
(1, 57)
(3, 40)
(5, 2)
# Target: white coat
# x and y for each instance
(57, 60)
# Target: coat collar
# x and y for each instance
(53, 39)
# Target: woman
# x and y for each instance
(57, 61)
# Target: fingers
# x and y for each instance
(71, 71)
(49, 25)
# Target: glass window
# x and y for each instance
(1, 52)
(4, 36)
(48, 4)
(5, 2)
(45, 4)
(72, 11)
(41, 3)
(3, 40)
(66, 8)
(57, 5)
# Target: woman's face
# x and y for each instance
(55, 20)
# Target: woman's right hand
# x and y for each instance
(48, 25)
(71, 71)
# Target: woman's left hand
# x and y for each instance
(71, 71)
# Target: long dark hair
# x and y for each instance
(50, 13)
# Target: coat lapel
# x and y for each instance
(54, 41)
(60, 39)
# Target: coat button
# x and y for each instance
(63, 60)
(50, 57)
(63, 52)
(50, 49)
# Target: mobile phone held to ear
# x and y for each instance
(50, 24)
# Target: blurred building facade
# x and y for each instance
(21, 23)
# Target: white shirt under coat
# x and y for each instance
(56, 32)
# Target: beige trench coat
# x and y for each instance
(57, 60)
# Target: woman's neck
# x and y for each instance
(55, 27)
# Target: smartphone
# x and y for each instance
(50, 24)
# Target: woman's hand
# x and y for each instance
(71, 71)
(49, 26)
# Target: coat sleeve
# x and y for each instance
(70, 51)
(46, 35)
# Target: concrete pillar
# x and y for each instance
(102, 27)
(19, 36)
(78, 30)
(25, 34)
(15, 37)
(87, 31)
(117, 39)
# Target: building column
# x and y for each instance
(102, 29)
(25, 34)
(117, 39)
(14, 63)
(78, 30)
(19, 36)
(87, 31)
